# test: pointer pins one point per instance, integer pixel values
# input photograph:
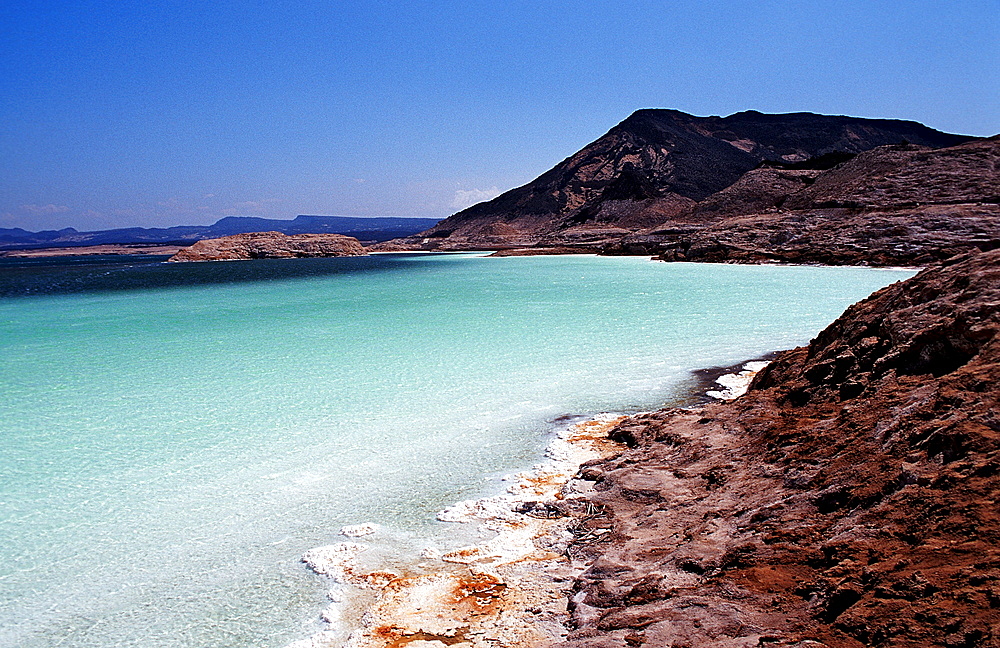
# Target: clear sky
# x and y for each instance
(167, 112)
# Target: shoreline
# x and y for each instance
(505, 590)
(138, 249)
(514, 588)
(111, 249)
(847, 500)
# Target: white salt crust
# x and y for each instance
(735, 385)
(425, 605)
(358, 530)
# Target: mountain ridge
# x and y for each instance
(656, 167)
(369, 229)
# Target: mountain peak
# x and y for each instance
(655, 165)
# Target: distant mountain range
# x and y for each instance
(364, 229)
(664, 182)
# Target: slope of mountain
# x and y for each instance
(894, 205)
(365, 229)
(653, 168)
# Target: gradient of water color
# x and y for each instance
(175, 436)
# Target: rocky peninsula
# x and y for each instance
(270, 245)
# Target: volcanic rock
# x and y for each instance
(894, 177)
(270, 245)
(894, 205)
(653, 168)
(848, 499)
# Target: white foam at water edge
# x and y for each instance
(736, 384)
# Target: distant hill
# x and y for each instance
(363, 229)
(656, 166)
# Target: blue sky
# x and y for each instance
(160, 113)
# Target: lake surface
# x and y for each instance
(174, 436)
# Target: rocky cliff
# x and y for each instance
(270, 245)
(848, 499)
(657, 167)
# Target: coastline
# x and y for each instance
(93, 250)
(514, 587)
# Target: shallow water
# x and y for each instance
(175, 436)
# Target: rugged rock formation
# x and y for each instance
(655, 166)
(849, 499)
(895, 205)
(908, 237)
(270, 245)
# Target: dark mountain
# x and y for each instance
(364, 229)
(654, 166)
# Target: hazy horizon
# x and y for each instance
(217, 220)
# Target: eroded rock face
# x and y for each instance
(270, 245)
(915, 236)
(849, 499)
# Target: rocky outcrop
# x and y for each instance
(848, 499)
(895, 205)
(270, 245)
(898, 177)
(910, 237)
(655, 167)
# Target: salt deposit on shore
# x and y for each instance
(735, 385)
(509, 590)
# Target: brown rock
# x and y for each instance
(895, 205)
(892, 177)
(757, 191)
(270, 245)
(848, 499)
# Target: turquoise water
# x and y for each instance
(169, 450)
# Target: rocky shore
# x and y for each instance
(848, 499)
(506, 591)
(270, 245)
